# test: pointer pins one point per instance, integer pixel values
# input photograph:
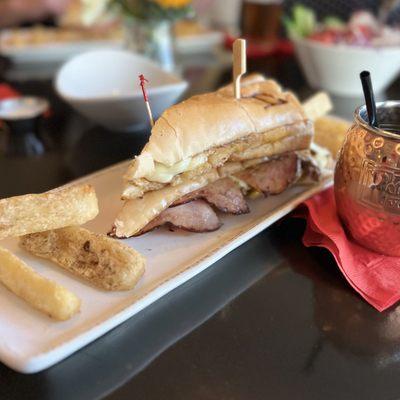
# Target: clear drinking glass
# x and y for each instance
(152, 38)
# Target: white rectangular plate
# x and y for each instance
(31, 342)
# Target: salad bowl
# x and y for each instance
(336, 68)
(332, 52)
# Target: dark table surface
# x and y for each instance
(270, 320)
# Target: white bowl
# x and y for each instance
(336, 68)
(104, 86)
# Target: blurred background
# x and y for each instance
(70, 99)
(52, 31)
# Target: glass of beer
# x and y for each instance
(261, 21)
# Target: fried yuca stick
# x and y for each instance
(330, 133)
(100, 260)
(30, 213)
(41, 293)
(317, 105)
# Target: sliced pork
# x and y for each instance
(274, 176)
(223, 194)
(195, 216)
(193, 212)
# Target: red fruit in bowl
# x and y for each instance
(328, 36)
(359, 35)
(367, 31)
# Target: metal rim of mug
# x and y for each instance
(365, 125)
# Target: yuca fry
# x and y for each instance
(32, 213)
(330, 133)
(317, 105)
(41, 293)
(100, 260)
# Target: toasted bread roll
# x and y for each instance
(32, 213)
(41, 293)
(100, 260)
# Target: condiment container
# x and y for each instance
(21, 118)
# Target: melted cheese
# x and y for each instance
(164, 174)
(322, 156)
(137, 213)
(244, 187)
(145, 167)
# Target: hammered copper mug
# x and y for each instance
(367, 180)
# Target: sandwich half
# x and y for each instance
(210, 151)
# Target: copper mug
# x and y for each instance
(367, 180)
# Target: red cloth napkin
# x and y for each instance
(374, 276)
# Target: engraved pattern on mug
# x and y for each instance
(379, 187)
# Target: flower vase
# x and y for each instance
(153, 39)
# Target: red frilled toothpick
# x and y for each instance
(143, 81)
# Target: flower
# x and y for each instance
(172, 3)
(172, 10)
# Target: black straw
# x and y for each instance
(365, 77)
